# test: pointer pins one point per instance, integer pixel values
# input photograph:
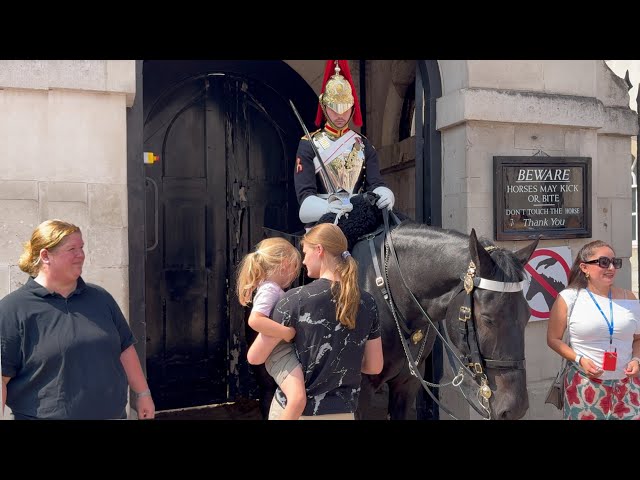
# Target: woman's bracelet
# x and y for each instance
(144, 393)
(578, 358)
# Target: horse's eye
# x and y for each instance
(487, 319)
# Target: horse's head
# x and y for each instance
(416, 280)
(487, 324)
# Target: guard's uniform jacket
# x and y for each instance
(350, 158)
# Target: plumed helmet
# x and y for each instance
(338, 92)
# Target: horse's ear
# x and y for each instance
(479, 255)
(524, 254)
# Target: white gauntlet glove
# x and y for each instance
(314, 207)
(386, 199)
(339, 206)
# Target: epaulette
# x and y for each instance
(364, 136)
(305, 137)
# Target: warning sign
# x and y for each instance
(547, 274)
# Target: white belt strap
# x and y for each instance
(499, 286)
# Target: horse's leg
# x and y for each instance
(372, 404)
(402, 398)
(404, 387)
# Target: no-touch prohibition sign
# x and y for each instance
(549, 286)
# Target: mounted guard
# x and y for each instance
(335, 163)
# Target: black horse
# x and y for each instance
(418, 280)
(425, 278)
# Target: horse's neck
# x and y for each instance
(432, 274)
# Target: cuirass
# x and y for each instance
(343, 158)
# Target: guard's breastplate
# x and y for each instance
(343, 158)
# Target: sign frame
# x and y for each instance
(502, 165)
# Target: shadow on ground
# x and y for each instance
(240, 410)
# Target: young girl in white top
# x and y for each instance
(267, 271)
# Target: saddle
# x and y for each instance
(362, 220)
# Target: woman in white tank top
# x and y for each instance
(603, 347)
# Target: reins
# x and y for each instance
(471, 363)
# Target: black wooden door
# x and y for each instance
(226, 146)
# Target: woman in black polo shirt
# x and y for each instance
(67, 350)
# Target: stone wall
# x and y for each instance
(520, 108)
(63, 137)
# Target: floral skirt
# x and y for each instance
(594, 399)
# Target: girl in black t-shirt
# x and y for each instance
(337, 328)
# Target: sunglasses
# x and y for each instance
(604, 262)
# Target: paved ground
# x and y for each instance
(241, 410)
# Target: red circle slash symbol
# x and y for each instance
(541, 280)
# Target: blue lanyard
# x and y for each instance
(609, 324)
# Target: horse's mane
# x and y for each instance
(507, 266)
(441, 242)
(450, 243)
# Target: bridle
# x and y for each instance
(471, 362)
(471, 356)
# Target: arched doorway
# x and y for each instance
(428, 144)
(226, 138)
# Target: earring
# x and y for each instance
(587, 275)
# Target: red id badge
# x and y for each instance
(609, 361)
